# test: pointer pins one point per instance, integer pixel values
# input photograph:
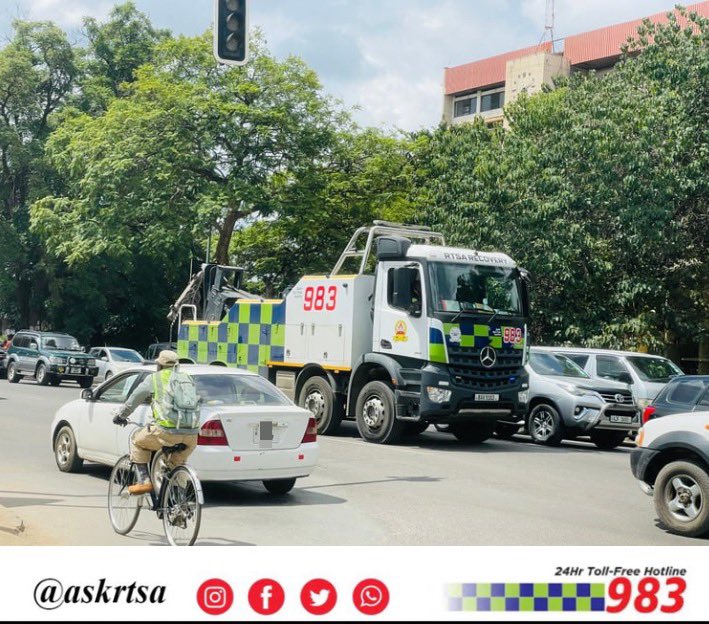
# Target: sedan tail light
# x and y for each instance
(648, 413)
(311, 432)
(212, 434)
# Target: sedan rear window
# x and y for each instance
(236, 390)
(686, 392)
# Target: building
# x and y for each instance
(481, 88)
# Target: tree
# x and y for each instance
(37, 73)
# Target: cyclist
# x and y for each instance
(159, 433)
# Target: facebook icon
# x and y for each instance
(266, 597)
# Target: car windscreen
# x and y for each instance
(655, 369)
(60, 343)
(236, 390)
(126, 355)
(554, 364)
(476, 288)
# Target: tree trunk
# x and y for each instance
(703, 368)
(226, 232)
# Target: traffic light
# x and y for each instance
(230, 31)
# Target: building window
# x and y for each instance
(468, 106)
(491, 101)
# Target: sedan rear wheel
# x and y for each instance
(279, 487)
(65, 452)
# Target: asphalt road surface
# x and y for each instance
(431, 491)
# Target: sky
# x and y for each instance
(384, 57)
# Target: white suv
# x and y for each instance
(671, 463)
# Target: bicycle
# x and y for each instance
(176, 497)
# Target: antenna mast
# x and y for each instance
(549, 23)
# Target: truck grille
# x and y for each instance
(467, 371)
(609, 396)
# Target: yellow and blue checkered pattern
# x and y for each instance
(252, 334)
(526, 597)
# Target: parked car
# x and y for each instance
(111, 360)
(688, 393)
(154, 350)
(237, 406)
(3, 363)
(646, 374)
(671, 463)
(564, 402)
(50, 358)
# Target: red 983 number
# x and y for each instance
(645, 599)
(320, 298)
(512, 335)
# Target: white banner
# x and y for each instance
(355, 583)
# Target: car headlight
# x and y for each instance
(576, 391)
(438, 395)
(55, 359)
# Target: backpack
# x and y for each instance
(177, 403)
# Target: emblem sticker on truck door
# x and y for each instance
(400, 332)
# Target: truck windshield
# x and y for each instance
(654, 368)
(557, 365)
(478, 288)
(61, 343)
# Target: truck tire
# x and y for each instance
(606, 439)
(472, 433)
(376, 414)
(545, 425)
(505, 431)
(681, 498)
(318, 397)
(12, 375)
(41, 375)
(86, 382)
(55, 380)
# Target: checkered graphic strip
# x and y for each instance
(478, 336)
(526, 597)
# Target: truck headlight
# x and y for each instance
(55, 359)
(438, 395)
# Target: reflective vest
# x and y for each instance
(160, 380)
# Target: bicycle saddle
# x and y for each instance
(177, 448)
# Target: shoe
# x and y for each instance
(140, 488)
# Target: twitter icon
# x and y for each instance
(318, 596)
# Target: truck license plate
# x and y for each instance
(626, 420)
(487, 397)
(75, 370)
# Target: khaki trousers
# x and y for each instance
(153, 438)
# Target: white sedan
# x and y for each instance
(249, 429)
(112, 360)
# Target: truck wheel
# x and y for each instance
(472, 433)
(505, 431)
(607, 440)
(682, 498)
(12, 375)
(318, 397)
(545, 426)
(412, 429)
(376, 415)
(41, 375)
(86, 382)
(279, 487)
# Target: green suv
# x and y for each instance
(50, 358)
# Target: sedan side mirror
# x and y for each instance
(87, 394)
(104, 358)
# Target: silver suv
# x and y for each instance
(565, 402)
(646, 374)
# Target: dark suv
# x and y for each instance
(688, 393)
(50, 358)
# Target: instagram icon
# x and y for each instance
(215, 596)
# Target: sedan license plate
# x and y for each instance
(487, 397)
(625, 420)
(75, 370)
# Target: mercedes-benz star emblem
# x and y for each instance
(488, 357)
(619, 398)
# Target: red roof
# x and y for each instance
(606, 42)
(487, 72)
(595, 45)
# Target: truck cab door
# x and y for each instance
(400, 318)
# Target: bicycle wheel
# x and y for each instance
(182, 510)
(123, 509)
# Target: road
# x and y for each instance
(431, 491)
